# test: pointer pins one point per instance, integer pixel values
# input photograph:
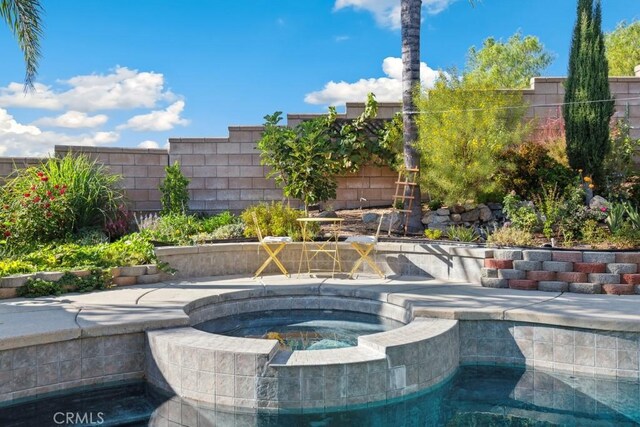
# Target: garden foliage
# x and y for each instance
(623, 48)
(275, 219)
(175, 196)
(464, 129)
(587, 111)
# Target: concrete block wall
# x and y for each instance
(547, 91)
(142, 170)
(9, 164)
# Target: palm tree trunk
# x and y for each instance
(410, 19)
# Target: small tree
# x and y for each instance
(464, 128)
(507, 65)
(175, 196)
(623, 48)
(588, 108)
(305, 160)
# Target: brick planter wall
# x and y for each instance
(586, 272)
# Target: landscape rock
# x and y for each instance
(443, 211)
(370, 218)
(327, 214)
(471, 216)
(458, 209)
(598, 202)
(456, 217)
(485, 213)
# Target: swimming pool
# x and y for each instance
(478, 395)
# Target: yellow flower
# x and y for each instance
(592, 186)
(587, 179)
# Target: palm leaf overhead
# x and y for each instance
(23, 19)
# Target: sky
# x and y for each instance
(133, 73)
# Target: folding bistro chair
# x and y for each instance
(363, 246)
(272, 245)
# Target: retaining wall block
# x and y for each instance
(135, 270)
(572, 277)
(152, 269)
(605, 257)
(628, 257)
(527, 265)
(589, 267)
(14, 281)
(149, 278)
(125, 280)
(618, 289)
(489, 282)
(622, 268)
(511, 274)
(566, 256)
(632, 279)
(50, 276)
(523, 285)
(498, 263)
(511, 254)
(536, 255)
(489, 273)
(585, 288)
(604, 278)
(553, 286)
(6, 293)
(557, 266)
(541, 275)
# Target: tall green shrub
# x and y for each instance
(58, 198)
(175, 196)
(587, 110)
(464, 128)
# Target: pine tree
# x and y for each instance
(586, 116)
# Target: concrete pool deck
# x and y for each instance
(28, 322)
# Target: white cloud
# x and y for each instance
(340, 39)
(148, 144)
(159, 120)
(73, 120)
(386, 89)
(123, 88)
(387, 12)
(28, 140)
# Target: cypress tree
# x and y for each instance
(586, 116)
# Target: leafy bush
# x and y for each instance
(15, 266)
(619, 165)
(433, 233)
(35, 287)
(615, 218)
(275, 219)
(528, 166)
(592, 233)
(463, 132)
(228, 231)
(462, 234)
(53, 200)
(175, 229)
(175, 196)
(212, 223)
(510, 236)
(522, 215)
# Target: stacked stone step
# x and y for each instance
(136, 275)
(562, 271)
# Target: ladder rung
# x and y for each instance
(411, 170)
(406, 183)
(403, 210)
(403, 197)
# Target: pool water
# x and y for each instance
(302, 329)
(475, 396)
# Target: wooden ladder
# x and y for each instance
(405, 190)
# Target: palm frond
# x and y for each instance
(23, 19)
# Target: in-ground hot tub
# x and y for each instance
(359, 368)
(302, 329)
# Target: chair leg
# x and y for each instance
(273, 257)
(364, 251)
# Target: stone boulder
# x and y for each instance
(443, 211)
(458, 209)
(471, 216)
(485, 213)
(598, 202)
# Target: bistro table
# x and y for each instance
(328, 247)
